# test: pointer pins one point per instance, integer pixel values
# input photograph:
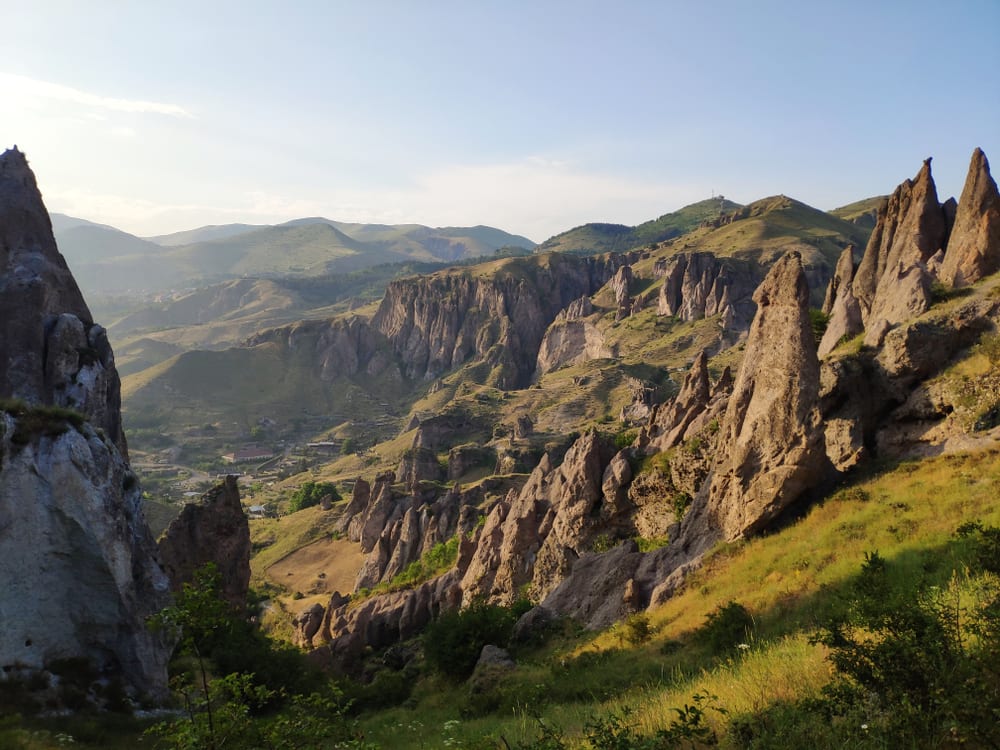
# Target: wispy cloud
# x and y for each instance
(22, 85)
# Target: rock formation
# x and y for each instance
(770, 447)
(893, 282)
(77, 559)
(841, 305)
(440, 322)
(974, 246)
(699, 285)
(51, 351)
(213, 530)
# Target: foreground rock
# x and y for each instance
(76, 557)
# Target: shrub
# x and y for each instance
(453, 642)
(725, 628)
(310, 493)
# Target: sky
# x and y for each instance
(533, 117)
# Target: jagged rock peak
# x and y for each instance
(213, 530)
(51, 352)
(770, 445)
(974, 246)
(892, 282)
(699, 285)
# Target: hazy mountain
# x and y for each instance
(203, 234)
(107, 260)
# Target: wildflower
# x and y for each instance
(864, 727)
(743, 646)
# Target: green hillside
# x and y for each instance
(863, 212)
(599, 238)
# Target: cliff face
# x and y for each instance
(76, 556)
(51, 351)
(438, 323)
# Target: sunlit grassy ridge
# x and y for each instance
(789, 581)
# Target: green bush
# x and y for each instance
(453, 642)
(310, 493)
(725, 628)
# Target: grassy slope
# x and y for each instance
(788, 580)
(598, 238)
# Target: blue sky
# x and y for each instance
(531, 116)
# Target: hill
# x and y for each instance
(107, 261)
(598, 238)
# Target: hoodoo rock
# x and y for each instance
(213, 530)
(893, 282)
(770, 443)
(76, 557)
(699, 285)
(974, 246)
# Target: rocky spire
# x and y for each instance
(770, 445)
(51, 352)
(841, 305)
(893, 283)
(974, 246)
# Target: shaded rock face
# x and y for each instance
(440, 322)
(339, 348)
(51, 351)
(770, 447)
(213, 530)
(699, 285)
(76, 557)
(974, 246)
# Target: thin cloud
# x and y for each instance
(10, 82)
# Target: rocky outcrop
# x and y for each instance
(893, 281)
(770, 448)
(700, 285)
(533, 537)
(974, 245)
(440, 322)
(214, 530)
(76, 557)
(570, 342)
(51, 351)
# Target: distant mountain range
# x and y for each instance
(106, 260)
